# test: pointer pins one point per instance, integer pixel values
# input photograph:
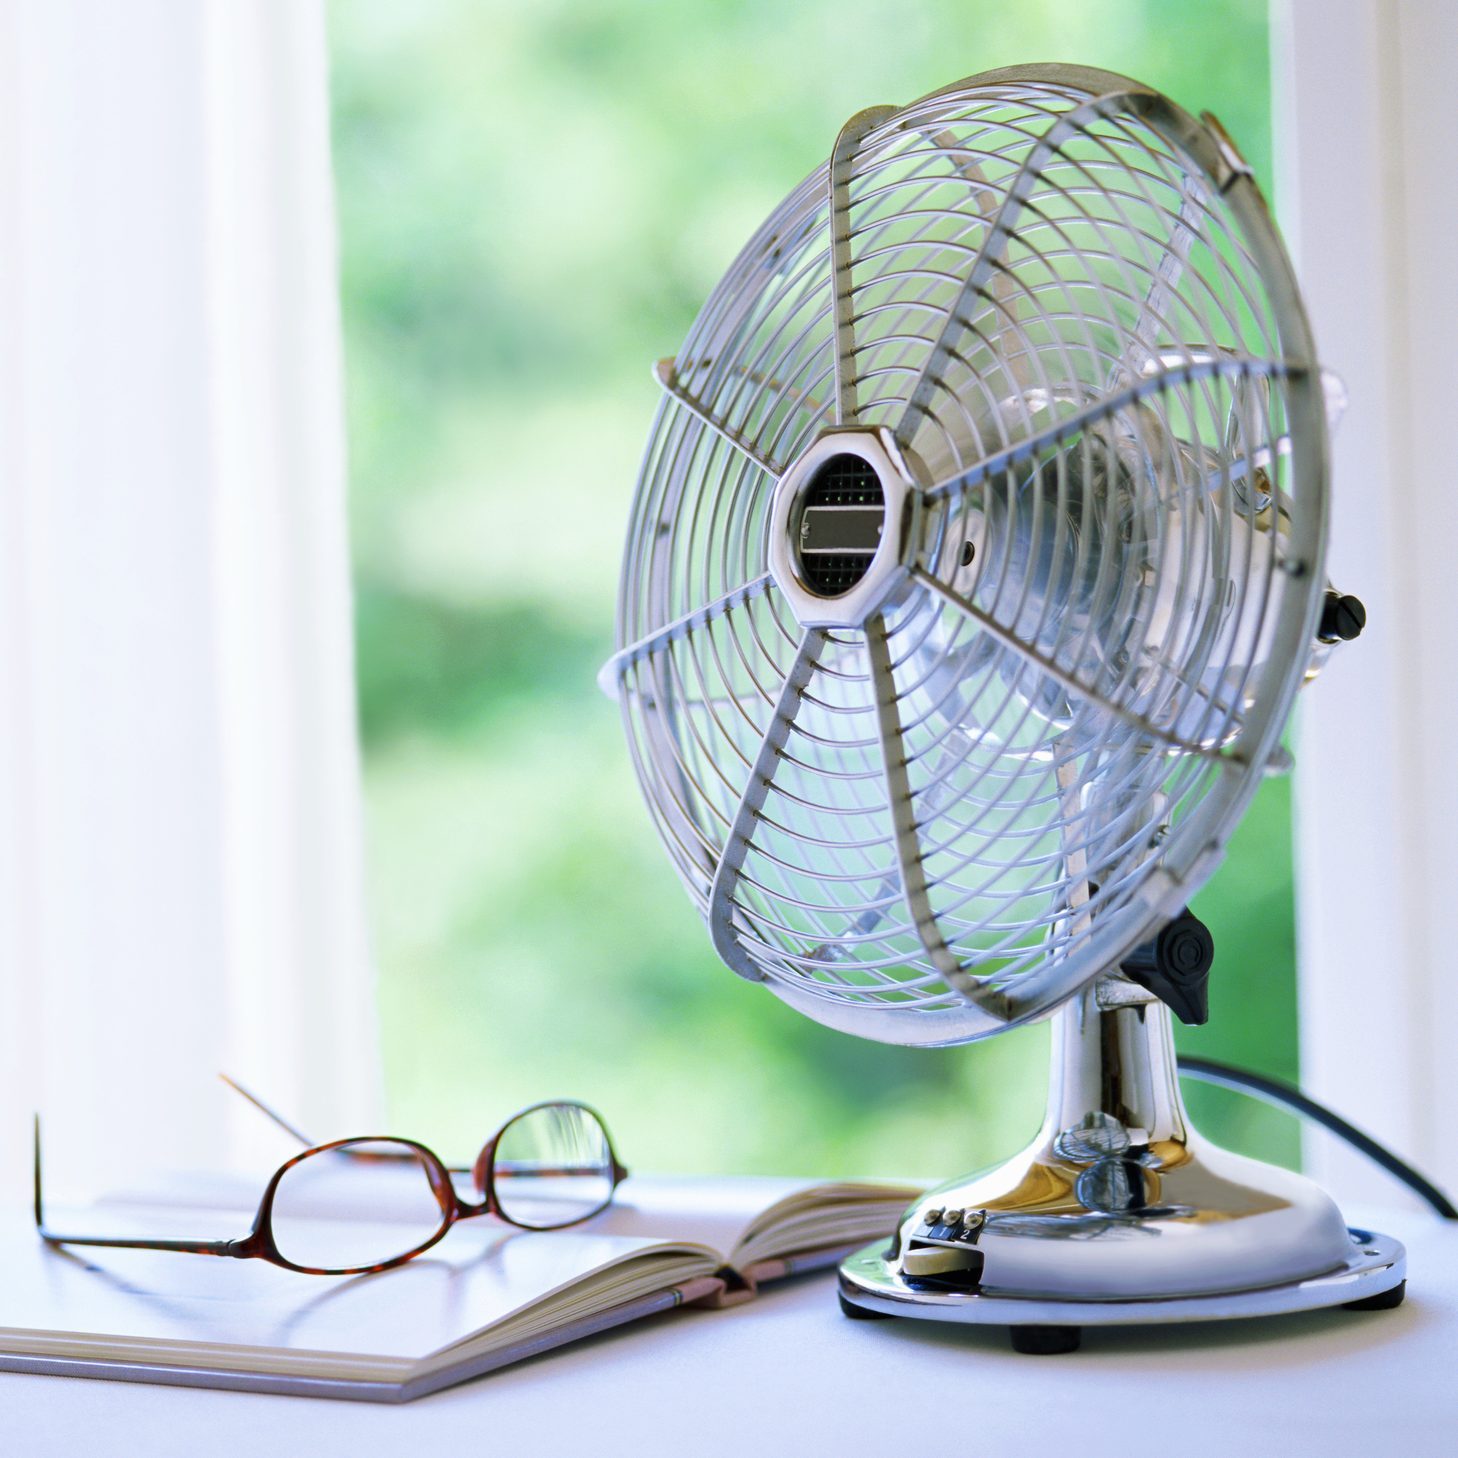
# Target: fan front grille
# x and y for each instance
(1051, 298)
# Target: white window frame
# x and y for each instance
(180, 879)
(1368, 185)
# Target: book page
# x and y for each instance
(756, 1220)
(708, 1210)
(482, 1275)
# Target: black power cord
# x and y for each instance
(1282, 1095)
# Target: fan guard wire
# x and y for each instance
(1061, 301)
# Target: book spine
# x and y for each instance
(730, 1288)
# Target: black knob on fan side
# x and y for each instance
(1342, 618)
(1175, 967)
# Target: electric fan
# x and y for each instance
(975, 562)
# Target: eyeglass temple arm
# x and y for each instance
(308, 1143)
(273, 1114)
(192, 1247)
(508, 1168)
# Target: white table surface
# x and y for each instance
(788, 1374)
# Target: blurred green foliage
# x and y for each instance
(533, 202)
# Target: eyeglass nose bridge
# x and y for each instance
(481, 1174)
(447, 1196)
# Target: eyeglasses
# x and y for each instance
(550, 1166)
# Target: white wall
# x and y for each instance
(1369, 202)
(180, 869)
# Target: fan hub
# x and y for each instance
(842, 513)
(839, 528)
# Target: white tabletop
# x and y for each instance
(788, 1374)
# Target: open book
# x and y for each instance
(486, 1296)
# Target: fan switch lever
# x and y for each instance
(942, 1260)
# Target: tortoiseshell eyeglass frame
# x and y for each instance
(259, 1243)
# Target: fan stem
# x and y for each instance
(1115, 1064)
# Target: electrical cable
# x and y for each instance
(1282, 1095)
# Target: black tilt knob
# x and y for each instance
(1342, 618)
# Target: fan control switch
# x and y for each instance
(944, 1245)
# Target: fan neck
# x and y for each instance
(1115, 1065)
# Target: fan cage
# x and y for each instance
(1061, 303)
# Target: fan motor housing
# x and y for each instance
(841, 523)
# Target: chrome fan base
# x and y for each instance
(1375, 1267)
(1118, 1213)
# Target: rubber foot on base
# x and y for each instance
(1045, 1341)
(1382, 1301)
(859, 1313)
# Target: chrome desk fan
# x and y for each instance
(975, 562)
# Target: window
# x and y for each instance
(533, 202)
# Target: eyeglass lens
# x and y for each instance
(553, 1166)
(338, 1211)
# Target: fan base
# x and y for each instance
(1371, 1278)
(1119, 1213)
